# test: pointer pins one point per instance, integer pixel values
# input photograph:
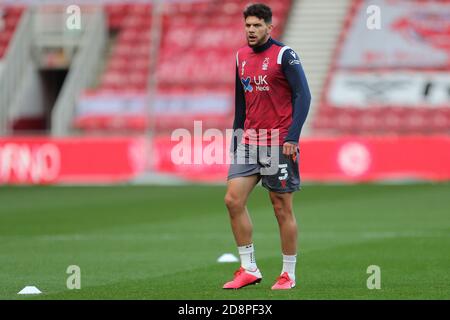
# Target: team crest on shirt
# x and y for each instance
(265, 64)
(293, 54)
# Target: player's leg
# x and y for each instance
(282, 206)
(281, 186)
(238, 191)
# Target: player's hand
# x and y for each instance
(289, 148)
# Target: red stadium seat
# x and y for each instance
(144, 9)
(5, 36)
(11, 21)
(138, 22)
(15, 11)
(117, 63)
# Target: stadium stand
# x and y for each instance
(128, 65)
(195, 66)
(312, 30)
(363, 86)
(380, 82)
(9, 19)
(12, 52)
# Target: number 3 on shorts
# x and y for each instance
(283, 172)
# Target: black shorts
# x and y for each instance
(279, 173)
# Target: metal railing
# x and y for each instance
(15, 63)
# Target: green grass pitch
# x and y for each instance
(148, 242)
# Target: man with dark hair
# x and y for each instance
(271, 106)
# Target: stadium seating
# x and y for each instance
(196, 55)
(10, 16)
(128, 65)
(382, 104)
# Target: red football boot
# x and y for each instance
(283, 282)
(243, 278)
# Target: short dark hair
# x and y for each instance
(259, 10)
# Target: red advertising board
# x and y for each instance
(73, 160)
(109, 160)
(371, 159)
(350, 159)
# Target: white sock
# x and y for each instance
(289, 265)
(248, 261)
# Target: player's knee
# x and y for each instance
(233, 202)
(278, 207)
(284, 215)
(281, 208)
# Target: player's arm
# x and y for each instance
(301, 98)
(239, 112)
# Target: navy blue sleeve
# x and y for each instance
(239, 112)
(301, 96)
(239, 102)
